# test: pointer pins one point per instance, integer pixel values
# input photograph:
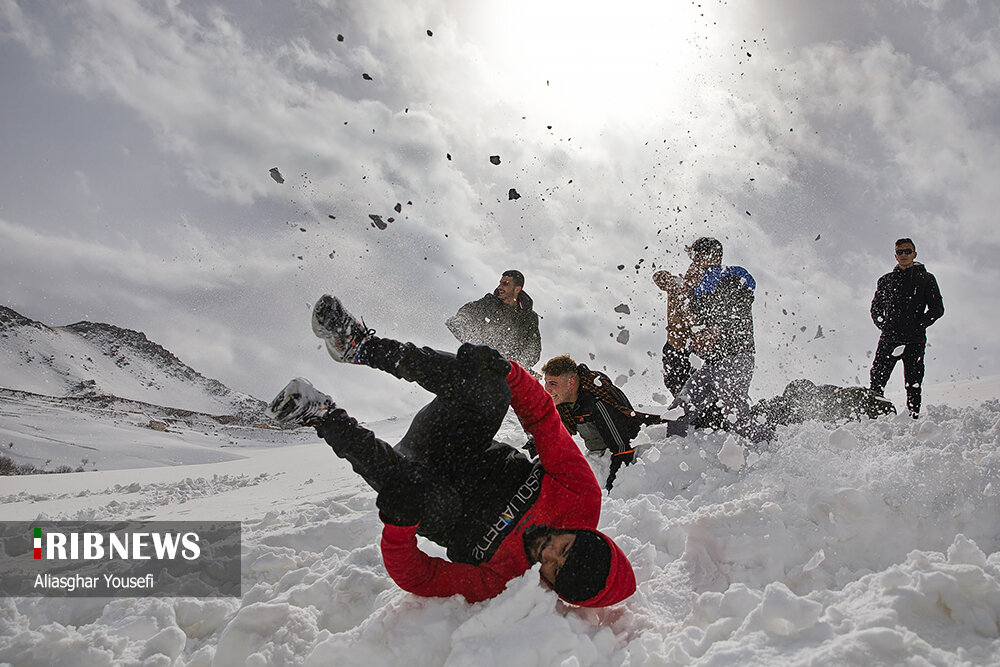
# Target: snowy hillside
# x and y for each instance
(864, 543)
(89, 359)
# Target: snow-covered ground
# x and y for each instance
(873, 543)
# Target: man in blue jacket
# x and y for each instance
(721, 302)
(907, 301)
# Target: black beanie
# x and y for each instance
(585, 572)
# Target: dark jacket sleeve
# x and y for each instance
(879, 308)
(616, 428)
(935, 304)
(532, 350)
(467, 323)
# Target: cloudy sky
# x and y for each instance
(137, 139)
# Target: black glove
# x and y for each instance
(401, 501)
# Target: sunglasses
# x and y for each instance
(905, 251)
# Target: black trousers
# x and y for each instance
(913, 368)
(676, 368)
(467, 477)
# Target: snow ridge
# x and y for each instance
(88, 359)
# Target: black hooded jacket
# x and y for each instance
(510, 330)
(906, 303)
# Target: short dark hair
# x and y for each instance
(559, 366)
(516, 275)
(707, 246)
(904, 241)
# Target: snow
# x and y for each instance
(860, 543)
(99, 360)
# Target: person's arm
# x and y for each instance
(878, 308)
(428, 576)
(667, 281)
(466, 323)
(935, 304)
(558, 453)
(533, 347)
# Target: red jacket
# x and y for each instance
(570, 498)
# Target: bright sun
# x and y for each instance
(595, 60)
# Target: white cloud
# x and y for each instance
(831, 127)
(15, 26)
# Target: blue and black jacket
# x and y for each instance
(724, 299)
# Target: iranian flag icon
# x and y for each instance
(38, 543)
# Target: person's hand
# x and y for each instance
(667, 281)
(401, 502)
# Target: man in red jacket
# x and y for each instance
(496, 512)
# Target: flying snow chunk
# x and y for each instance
(819, 332)
(731, 455)
(495, 159)
(377, 221)
(843, 439)
(276, 175)
(623, 309)
(512, 194)
(898, 352)
(623, 337)
(930, 432)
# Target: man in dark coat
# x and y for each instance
(496, 512)
(907, 301)
(504, 320)
(591, 405)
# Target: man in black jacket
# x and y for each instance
(591, 405)
(907, 301)
(503, 319)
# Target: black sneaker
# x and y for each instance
(344, 335)
(299, 403)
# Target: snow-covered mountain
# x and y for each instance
(93, 360)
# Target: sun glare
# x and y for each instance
(596, 60)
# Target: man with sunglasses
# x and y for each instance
(907, 301)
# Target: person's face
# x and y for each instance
(550, 548)
(903, 258)
(507, 290)
(562, 388)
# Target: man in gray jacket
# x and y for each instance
(504, 320)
